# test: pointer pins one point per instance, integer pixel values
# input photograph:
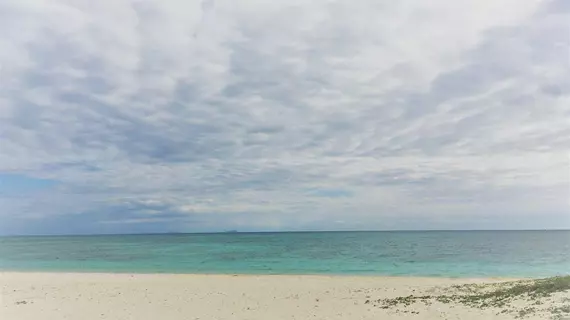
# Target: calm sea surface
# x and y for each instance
(433, 253)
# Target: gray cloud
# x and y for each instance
(212, 115)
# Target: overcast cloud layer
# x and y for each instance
(153, 116)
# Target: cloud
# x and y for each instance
(209, 115)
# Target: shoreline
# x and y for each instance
(316, 275)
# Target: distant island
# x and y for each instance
(231, 231)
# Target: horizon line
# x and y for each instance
(234, 232)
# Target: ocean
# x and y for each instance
(421, 253)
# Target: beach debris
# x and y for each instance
(506, 297)
(22, 302)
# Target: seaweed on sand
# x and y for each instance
(497, 295)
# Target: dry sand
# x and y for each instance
(144, 297)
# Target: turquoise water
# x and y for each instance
(434, 253)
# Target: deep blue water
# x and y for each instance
(430, 253)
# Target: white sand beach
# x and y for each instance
(144, 297)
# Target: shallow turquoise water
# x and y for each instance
(431, 253)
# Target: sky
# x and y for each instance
(122, 116)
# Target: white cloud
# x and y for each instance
(229, 110)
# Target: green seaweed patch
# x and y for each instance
(495, 295)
